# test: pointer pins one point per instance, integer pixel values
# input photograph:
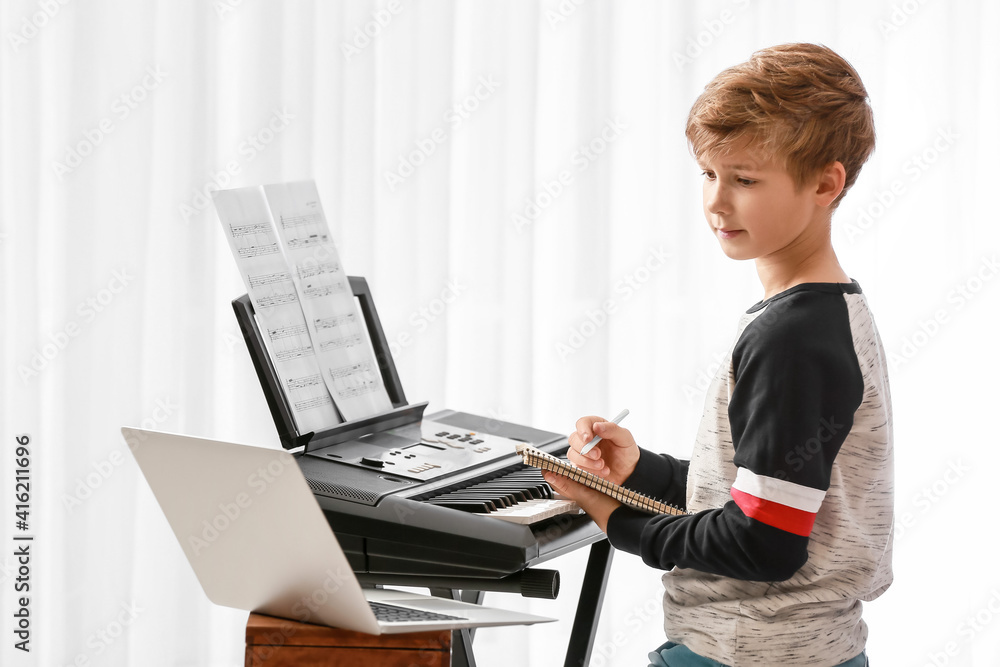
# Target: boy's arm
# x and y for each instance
(660, 476)
(797, 387)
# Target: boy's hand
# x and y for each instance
(613, 458)
(597, 505)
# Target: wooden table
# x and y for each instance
(277, 642)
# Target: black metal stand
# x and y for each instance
(461, 640)
(588, 610)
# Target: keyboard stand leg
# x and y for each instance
(588, 609)
(473, 597)
(461, 640)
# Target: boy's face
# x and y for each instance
(753, 205)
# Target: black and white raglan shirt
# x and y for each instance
(789, 490)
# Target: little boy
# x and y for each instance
(789, 488)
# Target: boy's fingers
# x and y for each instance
(613, 432)
(585, 427)
(591, 461)
(556, 481)
(567, 487)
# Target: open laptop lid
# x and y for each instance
(251, 529)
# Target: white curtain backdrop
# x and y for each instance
(527, 161)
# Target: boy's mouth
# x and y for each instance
(727, 233)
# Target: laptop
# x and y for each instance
(258, 541)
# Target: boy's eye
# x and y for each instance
(745, 181)
(710, 175)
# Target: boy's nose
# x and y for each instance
(714, 200)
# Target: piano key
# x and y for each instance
(535, 511)
(521, 493)
(482, 507)
(528, 493)
(498, 499)
(541, 490)
(520, 496)
(517, 494)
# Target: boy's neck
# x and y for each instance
(810, 259)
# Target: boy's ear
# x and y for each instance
(830, 183)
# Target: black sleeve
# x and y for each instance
(660, 476)
(797, 386)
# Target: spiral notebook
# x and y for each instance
(539, 459)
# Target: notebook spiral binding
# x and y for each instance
(539, 459)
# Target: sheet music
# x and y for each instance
(338, 331)
(246, 221)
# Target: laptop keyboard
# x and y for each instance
(388, 613)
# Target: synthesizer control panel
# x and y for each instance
(422, 452)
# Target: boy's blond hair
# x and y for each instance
(800, 104)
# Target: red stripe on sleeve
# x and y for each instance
(783, 517)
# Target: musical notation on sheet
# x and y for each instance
(340, 338)
(289, 221)
(302, 382)
(248, 223)
(285, 332)
(318, 269)
(299, 242)
(357, 390)
(355, 380)
(319, 291)
(353, 369)
(251, 250)
(334, 321)
(344, 341)
(272, 300)
(269, 279)
(239, 231)
(293, 353)
(313, 403)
